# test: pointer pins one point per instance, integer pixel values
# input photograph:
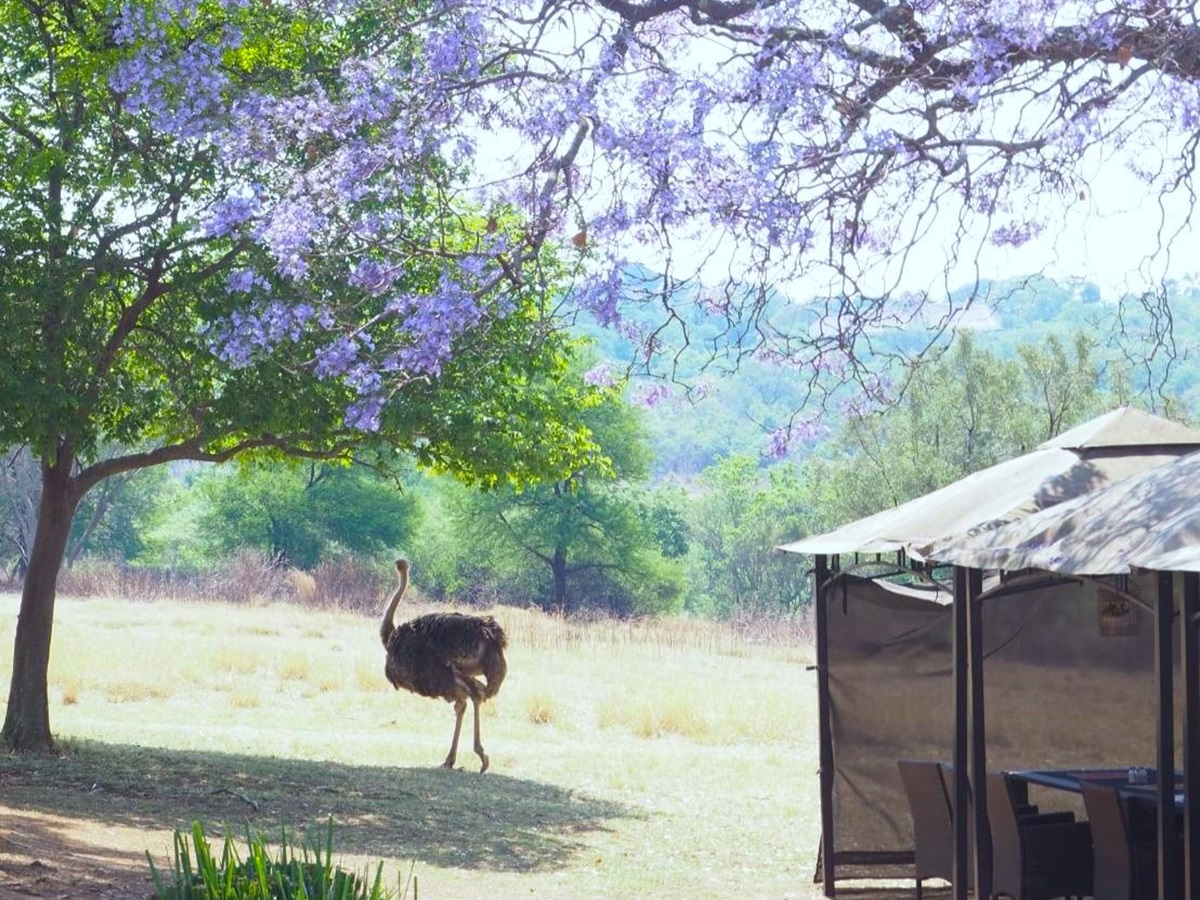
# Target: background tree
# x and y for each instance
(300, 514)
(1063, 385)
(968, 410)
(108, 522)
(20, 487)
(734, 527)
(592, 539)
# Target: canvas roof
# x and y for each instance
(1150, 520)
(1098, 453)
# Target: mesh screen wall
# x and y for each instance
(1059, 694)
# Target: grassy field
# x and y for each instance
(648, 760)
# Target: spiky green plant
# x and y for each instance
(196, 874)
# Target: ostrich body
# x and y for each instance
(443, 655)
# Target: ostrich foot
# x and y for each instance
(484, 767)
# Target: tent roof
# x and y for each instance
(1125, 427)
(1098, 453)
(1149, 520)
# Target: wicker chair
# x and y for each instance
(933, 828)
(1126, 863)
(1035, 858)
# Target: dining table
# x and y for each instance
(1135, 783)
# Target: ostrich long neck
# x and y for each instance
(388, 625)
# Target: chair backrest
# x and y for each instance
(929, 805)
(1110, 841)
(1006, 834)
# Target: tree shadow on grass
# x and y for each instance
(439, 817)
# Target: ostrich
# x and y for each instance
(440, 655)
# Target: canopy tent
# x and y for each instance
(891, 693)
(1099, 453)
(1149, 522)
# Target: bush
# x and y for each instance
(311, 875)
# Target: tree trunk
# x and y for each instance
(27, 720)
(559, 567)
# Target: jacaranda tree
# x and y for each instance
(224, 231)
(242, 224)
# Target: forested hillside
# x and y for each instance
(720, 405)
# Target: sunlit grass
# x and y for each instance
(135, 690)
(69, 691)
(294, 667)
(678, 722)
(245, 698)
(540, 708)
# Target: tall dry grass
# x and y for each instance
(254, 578)
(249, 577)
(779, 638)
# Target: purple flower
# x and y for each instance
(653, 395)
(600, 376)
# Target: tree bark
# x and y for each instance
(27, 719)
(558, 566)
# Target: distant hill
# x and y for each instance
(724, 404)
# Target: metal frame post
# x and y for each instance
(961, 783)
(1189, 643)
(978, 734)
(824, 727)
(1164, 615)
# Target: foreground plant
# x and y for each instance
(196, 874)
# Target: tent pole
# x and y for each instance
(824, 726)
(1190, 642)
(1164, 615)
(961, 784)
(978, 734)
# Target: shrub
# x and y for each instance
(311, 875)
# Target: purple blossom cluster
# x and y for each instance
(602, 294)
(1016, 234)
(652, 395)
(250, 334)
(229, 214)
(179, 84)
(781, 441)
(601, 376)
(435, 322)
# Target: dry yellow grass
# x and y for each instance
(699, 738)
(540, 708)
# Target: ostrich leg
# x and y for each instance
(460, 707)
(483, 757)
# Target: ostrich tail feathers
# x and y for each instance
(495, 667)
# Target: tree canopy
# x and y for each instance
(153, 315)
(833, 148)
(590, 540)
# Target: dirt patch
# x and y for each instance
(45, 855)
